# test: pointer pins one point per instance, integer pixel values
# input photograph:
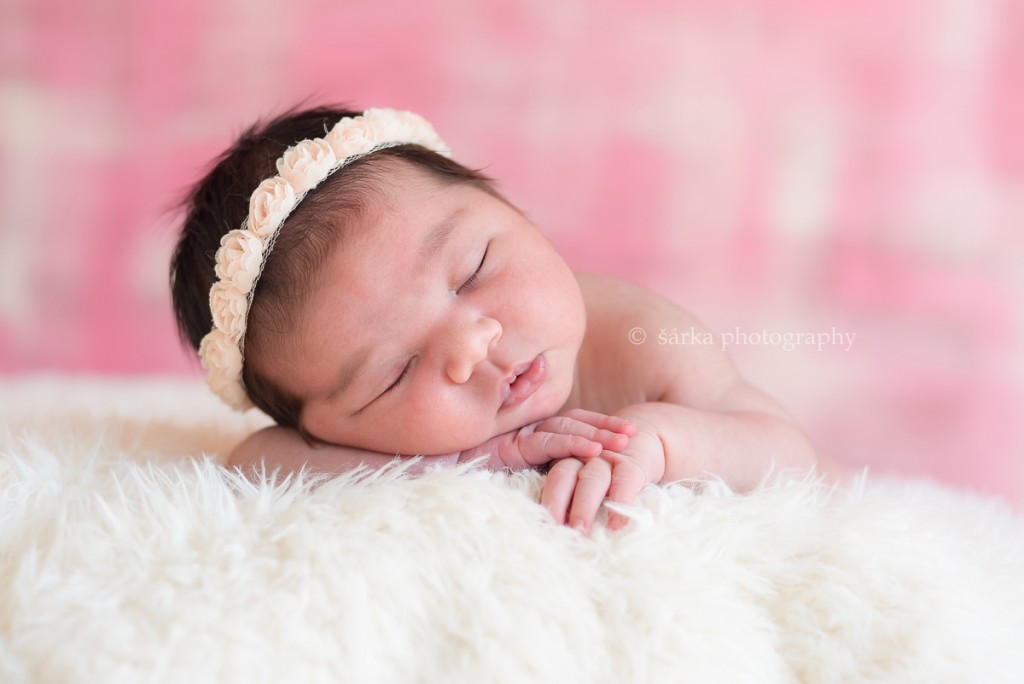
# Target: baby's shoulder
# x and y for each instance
(620, 314)
(630, 333)
(614, 302)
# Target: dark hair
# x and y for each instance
(219, 203)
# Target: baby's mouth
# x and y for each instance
(528, 377)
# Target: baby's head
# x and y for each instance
(402, 306)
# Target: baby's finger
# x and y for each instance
(602, 421)
(591, 486)
(558, 488)
(566, 425)
(541, 447)
(628, 478)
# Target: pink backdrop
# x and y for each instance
(789, 166)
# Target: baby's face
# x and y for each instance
(443, 318)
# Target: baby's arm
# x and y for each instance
(575, 433)
(283, 449)
(695, 415)
(742, 437)
(742, 441)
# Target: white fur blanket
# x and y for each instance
(128, 556)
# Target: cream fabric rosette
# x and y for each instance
(222, 359)
(239, 261)
(273, 200)
(353, 136)
(304, 165)
(229, 306)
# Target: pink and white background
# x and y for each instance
(780, 166)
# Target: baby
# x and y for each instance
(376, 298)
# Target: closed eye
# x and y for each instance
(398, 381)
(390, 388)
(469, 282)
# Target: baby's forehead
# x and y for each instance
(400, 236)
(413, 206)
(353, 202)
(390, 210)
(382, 179)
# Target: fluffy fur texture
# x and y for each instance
(127, 555)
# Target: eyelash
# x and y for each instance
(469, 282)
(398, 381)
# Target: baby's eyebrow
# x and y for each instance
(437, 237)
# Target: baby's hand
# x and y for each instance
(575, 433)
(576, 487)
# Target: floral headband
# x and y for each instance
(243, 252)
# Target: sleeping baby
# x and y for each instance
(340, 272)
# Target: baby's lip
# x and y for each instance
(526, 377)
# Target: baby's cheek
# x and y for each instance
(442, 422)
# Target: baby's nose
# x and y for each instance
(471, 346)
